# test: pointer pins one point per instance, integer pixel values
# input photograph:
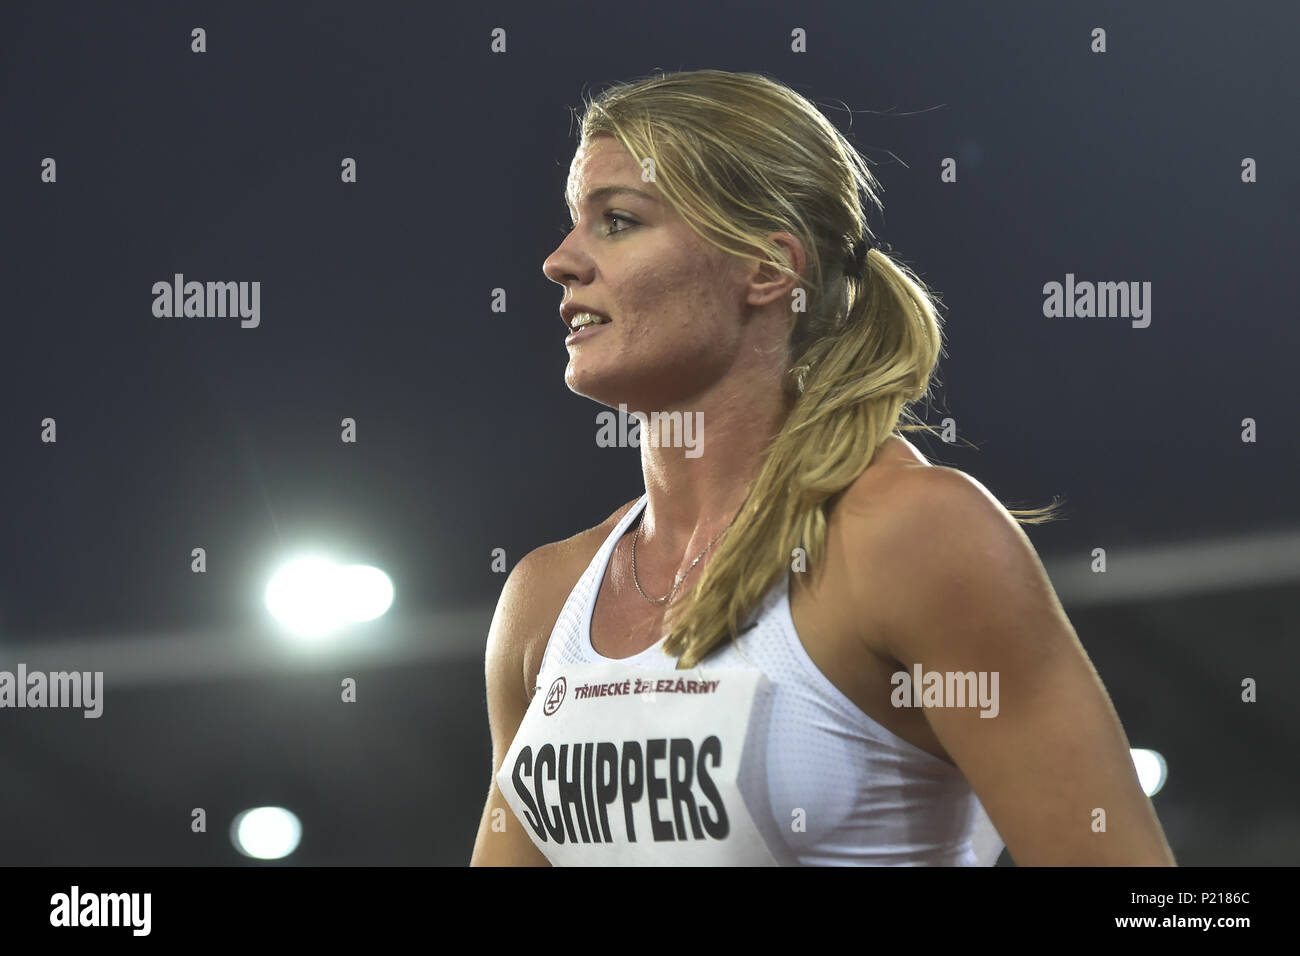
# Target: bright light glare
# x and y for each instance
(314, 596)
(1151, 770)
(266, 833)
(367, 592)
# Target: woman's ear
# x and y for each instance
(769, 283)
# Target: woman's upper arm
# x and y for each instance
(1051, 764)
(501, 838)
(531, 600)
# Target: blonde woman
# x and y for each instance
(804, 644)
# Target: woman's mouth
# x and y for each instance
(585, 330)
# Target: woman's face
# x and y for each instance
(675, 303)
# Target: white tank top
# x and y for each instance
(751, 758)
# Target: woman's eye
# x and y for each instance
(568, 227)
(615, 216)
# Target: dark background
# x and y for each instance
(183, 433)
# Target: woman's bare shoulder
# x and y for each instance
(893, 466)
(553, 570)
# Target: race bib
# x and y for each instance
(616, 766)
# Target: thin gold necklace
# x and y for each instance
(669, 595)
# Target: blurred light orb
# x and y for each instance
(315, 596)
(367, 592)
(266, 833)
(1152, 770)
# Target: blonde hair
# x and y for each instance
(738, 156)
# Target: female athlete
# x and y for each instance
(803, 644)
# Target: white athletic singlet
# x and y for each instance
(751, 758)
